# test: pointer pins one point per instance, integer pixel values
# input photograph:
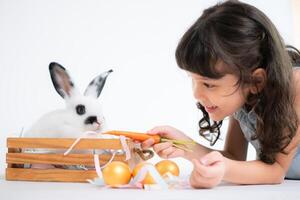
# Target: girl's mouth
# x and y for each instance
(210, 109)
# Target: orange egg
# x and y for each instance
(148, 179)
(116, 173)
(165, 166)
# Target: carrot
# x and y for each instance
(135, 136)
(181, 144)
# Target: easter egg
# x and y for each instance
(148, 179)
(165, 166)
(116, 173)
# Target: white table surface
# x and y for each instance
(10, 190)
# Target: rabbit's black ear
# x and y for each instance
(96, 85)
(61, 80)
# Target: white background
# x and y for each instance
(137, 39)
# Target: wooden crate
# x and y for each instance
(16, 159)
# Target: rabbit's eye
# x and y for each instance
(80, 109)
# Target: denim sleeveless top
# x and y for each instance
(247, 121)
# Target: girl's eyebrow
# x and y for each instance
(205, 79)
(196, 76)
(202, 78)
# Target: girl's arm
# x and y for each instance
(210, 169)
(235, 148)
(236, 145)
(258, 172)
(237, 170)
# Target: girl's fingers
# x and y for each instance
(176, 153)
(161, 130)
(155, 130)
(206, 171)
(162, 156)
(161, 146)
(172, 152)
(164, 149)
(152, 132)
(211, 158)
(197, 181)
(167, 151)
(147, 143)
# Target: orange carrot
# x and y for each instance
(185, 145)
(135, 136)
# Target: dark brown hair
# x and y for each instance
(294, 54)
(245, 39)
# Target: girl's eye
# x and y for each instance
(208, 85)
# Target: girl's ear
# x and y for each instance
(61, 80)
(259, 77)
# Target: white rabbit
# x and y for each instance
(82, 112)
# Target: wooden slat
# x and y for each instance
(13, 150)
(15, 158)
(56, 175)
(63, 143)
(58, 159)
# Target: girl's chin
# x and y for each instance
(216, 118)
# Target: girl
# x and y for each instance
(239, 68)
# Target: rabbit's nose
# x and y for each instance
(91, 120)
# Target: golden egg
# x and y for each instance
(116, 173)
(165, 166)
(148, 179)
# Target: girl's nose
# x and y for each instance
(200, 98)
(198, 93)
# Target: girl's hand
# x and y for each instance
(209, 171)
(165, 149)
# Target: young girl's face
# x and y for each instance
(220, 97)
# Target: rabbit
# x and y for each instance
(82, 112)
